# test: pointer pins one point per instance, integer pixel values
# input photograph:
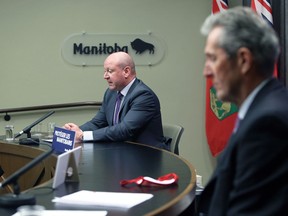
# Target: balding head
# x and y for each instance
(121, 59)
(119, 70)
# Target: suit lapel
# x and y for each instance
(127, 98)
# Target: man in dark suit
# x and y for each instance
(251, 176)
(139, 117)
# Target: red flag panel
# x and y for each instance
(220, 117)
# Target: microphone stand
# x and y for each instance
(17, 199)
(29, 140)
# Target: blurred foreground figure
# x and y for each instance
(251, 177)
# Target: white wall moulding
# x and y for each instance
(91, 49)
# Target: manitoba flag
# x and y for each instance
(220, 117)
(264, 9)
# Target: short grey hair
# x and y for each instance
(242, 27)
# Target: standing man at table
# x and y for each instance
(135, 117)
(251, 177)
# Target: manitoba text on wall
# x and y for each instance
(90, 49)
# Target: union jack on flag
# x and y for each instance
(219, 5)
(263, 8)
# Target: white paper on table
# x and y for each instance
(112, 199)
(70, 213)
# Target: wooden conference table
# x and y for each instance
(103, 165)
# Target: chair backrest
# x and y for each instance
(174, 132)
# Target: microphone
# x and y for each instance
(29, 140)
(17, 199)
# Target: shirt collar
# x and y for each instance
(248, 101)
(125, 90)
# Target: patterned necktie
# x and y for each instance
(117, 108)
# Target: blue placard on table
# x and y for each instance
(63, 139)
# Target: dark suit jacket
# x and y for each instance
(139, 118)
(251, 177)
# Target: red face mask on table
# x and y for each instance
(165, 180)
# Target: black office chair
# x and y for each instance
(174, 132)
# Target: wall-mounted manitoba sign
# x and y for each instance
(88, 49)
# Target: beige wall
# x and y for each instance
(34, 73)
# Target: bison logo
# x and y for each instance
(141, 46)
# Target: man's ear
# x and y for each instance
(244, 59)
(127, 71)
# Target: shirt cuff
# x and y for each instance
(87, 135)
